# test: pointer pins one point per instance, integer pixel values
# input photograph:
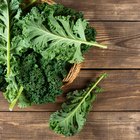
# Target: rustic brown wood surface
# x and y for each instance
(123, 41)
(100, 10)
(116, 112)
(99, 126)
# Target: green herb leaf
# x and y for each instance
(71, 118)
(9, 12)
(56, 32)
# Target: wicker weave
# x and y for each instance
(51, 2)
(73, 73)
(75, 69)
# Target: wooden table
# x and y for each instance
(116, 113)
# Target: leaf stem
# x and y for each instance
(8, 42)
(94, 85)
(15, 100)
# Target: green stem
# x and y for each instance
(8, 42)
(15, 101)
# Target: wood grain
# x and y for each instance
(120, 10)
(123, 41)
(122, 92)
(99, 126)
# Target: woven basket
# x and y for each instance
(75, 69)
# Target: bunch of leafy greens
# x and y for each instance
(71, 118)
(9, 14)
(41, 81)
(37, 48)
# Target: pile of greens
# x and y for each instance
(38, 45)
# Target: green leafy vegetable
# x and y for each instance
(39, 78)
(9, 12)
(38, 43)
(59, 32)
(71, 118)
(5, 43)
(41, 72)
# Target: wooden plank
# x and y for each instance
(100, 125)
(123, 41)
(106, 9)
(122, 92)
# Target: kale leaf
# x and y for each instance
(41, 80)
(9, 14)
(50, 35)
(71, 118)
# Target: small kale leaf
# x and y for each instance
(71, 118)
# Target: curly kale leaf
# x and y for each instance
(71, 118)
(9, 13)
(32, 78)
(41, 80)
(54, 33)
(59, 10)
